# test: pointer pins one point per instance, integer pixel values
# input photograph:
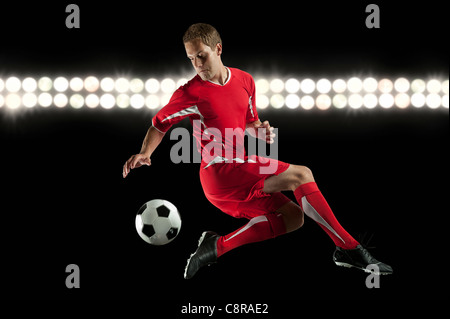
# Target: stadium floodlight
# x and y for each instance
(61, 84)
(152, 86)
(76, 84)
(354, 85)
(307, 86)
(385, 86)
(13, 85)
(107, 84)
(401, 85)
(339, 86)
(370, 85)
(292, 85)
(122, 85)
(277, 101)
(323, 86)
(91, 84)
(29, 85)
(292, 101)
(262, 101)
(13, 100)
(29, 100)
(262, 86)
(276, 85)
(276, 93)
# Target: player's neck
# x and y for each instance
(222, 76)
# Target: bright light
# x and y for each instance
(445, 101)
(292, 101)
(152, 101)
(294, 93)
(181, 82)
(29, 100)
(165, 98)
(107, 84)
(60, 84)
(92, 101)
(276, 85)
(123, 100)
(29, 85)
(45, 84)
(137, 101)
(277, 101)
(152, 86)
(76, 101)
(13, 100)
(444, 87)
(122, 85)
(91, 84)
(354, 85)
(262, 101)
(76, 84)
(167, 85)
(107, 101)
(136, 85)
(418, 86)
(418, 100)
(307, 102)
(307, 86)
(339, 86)
(401, 85)
(45, 99)
(370, 85)
(402, 100)
(13, 85)
(370, 100)
(262, 86)
(323, 102)
(385, 86)
(292, 86)
(340, 101)
(355, 101)
(433, 86)
(386, 100)
(60, 100)
(323, 86)
(433, 100)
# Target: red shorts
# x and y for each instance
(236, 188)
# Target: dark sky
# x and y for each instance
(306, 38)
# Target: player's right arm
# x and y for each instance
(151, 141)
(182, 104)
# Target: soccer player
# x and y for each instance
(220, 100)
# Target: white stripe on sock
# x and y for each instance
(252, 222)
(313, 214)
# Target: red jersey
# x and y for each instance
(219, 114)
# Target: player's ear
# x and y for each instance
(218, 49)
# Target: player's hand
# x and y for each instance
(135, 161)
(267, 134)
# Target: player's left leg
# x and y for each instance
(349, 252)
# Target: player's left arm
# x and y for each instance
(261, 130)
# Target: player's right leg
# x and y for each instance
(287, 218)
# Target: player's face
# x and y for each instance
(205, 61)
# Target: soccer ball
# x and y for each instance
(158, 222)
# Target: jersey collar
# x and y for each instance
(226, 81)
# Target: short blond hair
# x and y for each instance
(205, 32)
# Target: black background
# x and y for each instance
(64, 201)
